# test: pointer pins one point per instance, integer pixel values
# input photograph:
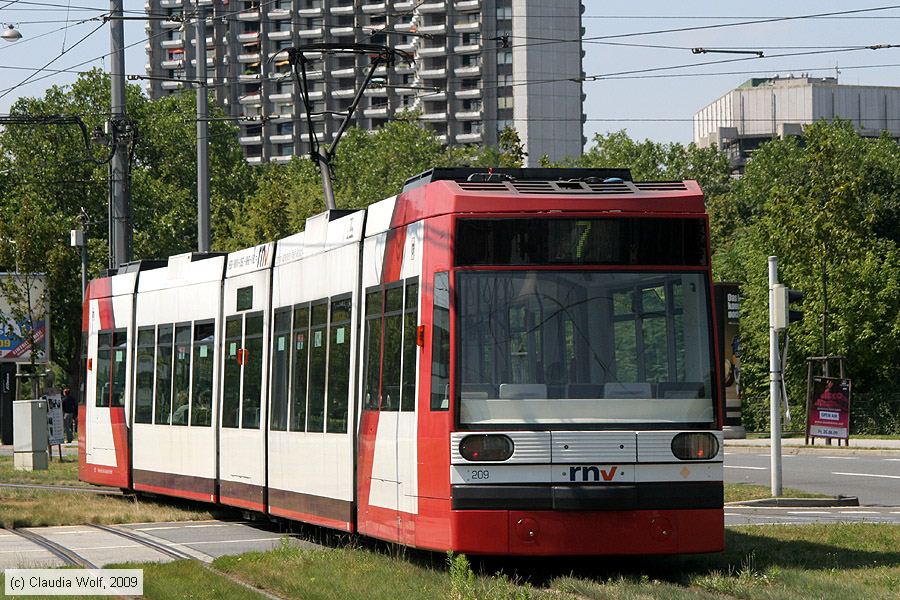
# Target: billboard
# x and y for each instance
(728, 315)
(829, 410)
(14, 347)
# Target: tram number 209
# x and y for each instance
(479, 474)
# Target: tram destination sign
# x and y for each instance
(829, 409)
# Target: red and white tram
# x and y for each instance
(517, 362)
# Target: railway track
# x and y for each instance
(62, 488)
(68, 556)
(177, 554)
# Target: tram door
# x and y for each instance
(242, 460)
(388, 431)
(106, 453)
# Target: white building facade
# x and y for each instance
(762, 109)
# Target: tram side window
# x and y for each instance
(281, 349)
(339, 365)
(440, 344)
(104, 381)
(299, 354)
(119, 367)
(202, 379)
(317, 359)
(231, 380)
(143, 380)
(253, 360)
(182, 375)
(372, 378)
(162, 409)
(393, 347)
(410, 325)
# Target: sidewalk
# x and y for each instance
(799, 442)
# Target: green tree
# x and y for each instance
(825, 204)
(369, 166)
(45, 179)
(649, 160)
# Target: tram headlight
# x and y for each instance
(486, 447)
(695, 446)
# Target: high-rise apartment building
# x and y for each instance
(480, 65)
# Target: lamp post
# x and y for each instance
(11, 34)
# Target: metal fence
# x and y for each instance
(871, 414)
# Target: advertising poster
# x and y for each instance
(14, 343)
(728, 307)
(55, 434)
(829, 410)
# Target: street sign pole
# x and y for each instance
(775, 376)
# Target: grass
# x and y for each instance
(36, 508)
(837, 561)
(183, 579)
(58, 473)
(793, 562)
(741, 492)
(312, 574)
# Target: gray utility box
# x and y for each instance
(30, 435)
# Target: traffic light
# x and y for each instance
(781, 314)
(794, 296)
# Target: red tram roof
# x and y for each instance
(452, 197)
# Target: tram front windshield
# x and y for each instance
(584, 347)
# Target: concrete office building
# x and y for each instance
(764, 108)
(479, 66)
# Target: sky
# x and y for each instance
(631, 83)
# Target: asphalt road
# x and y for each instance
(874, 477)
(770, 515)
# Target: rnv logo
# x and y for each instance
(591, 473)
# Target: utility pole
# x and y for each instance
(119, 130)
(775, 376)
(202, 134)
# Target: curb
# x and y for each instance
(799, 502)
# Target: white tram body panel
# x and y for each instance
(311, 471)
(246, 317)
(174, 452)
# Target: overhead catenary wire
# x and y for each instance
(53, 60)
(232, 15)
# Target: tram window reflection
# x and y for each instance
(252, 374)
(202, 379)
(339, 365)
(410, 349)
(143, 380)
(162, 410)
(393, 341)
(299, 366)
(372, 348)
(102, 389)
(317, 362)
(182, 375)
(281, 349)
(231, 381)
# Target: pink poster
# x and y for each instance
(829, 411)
